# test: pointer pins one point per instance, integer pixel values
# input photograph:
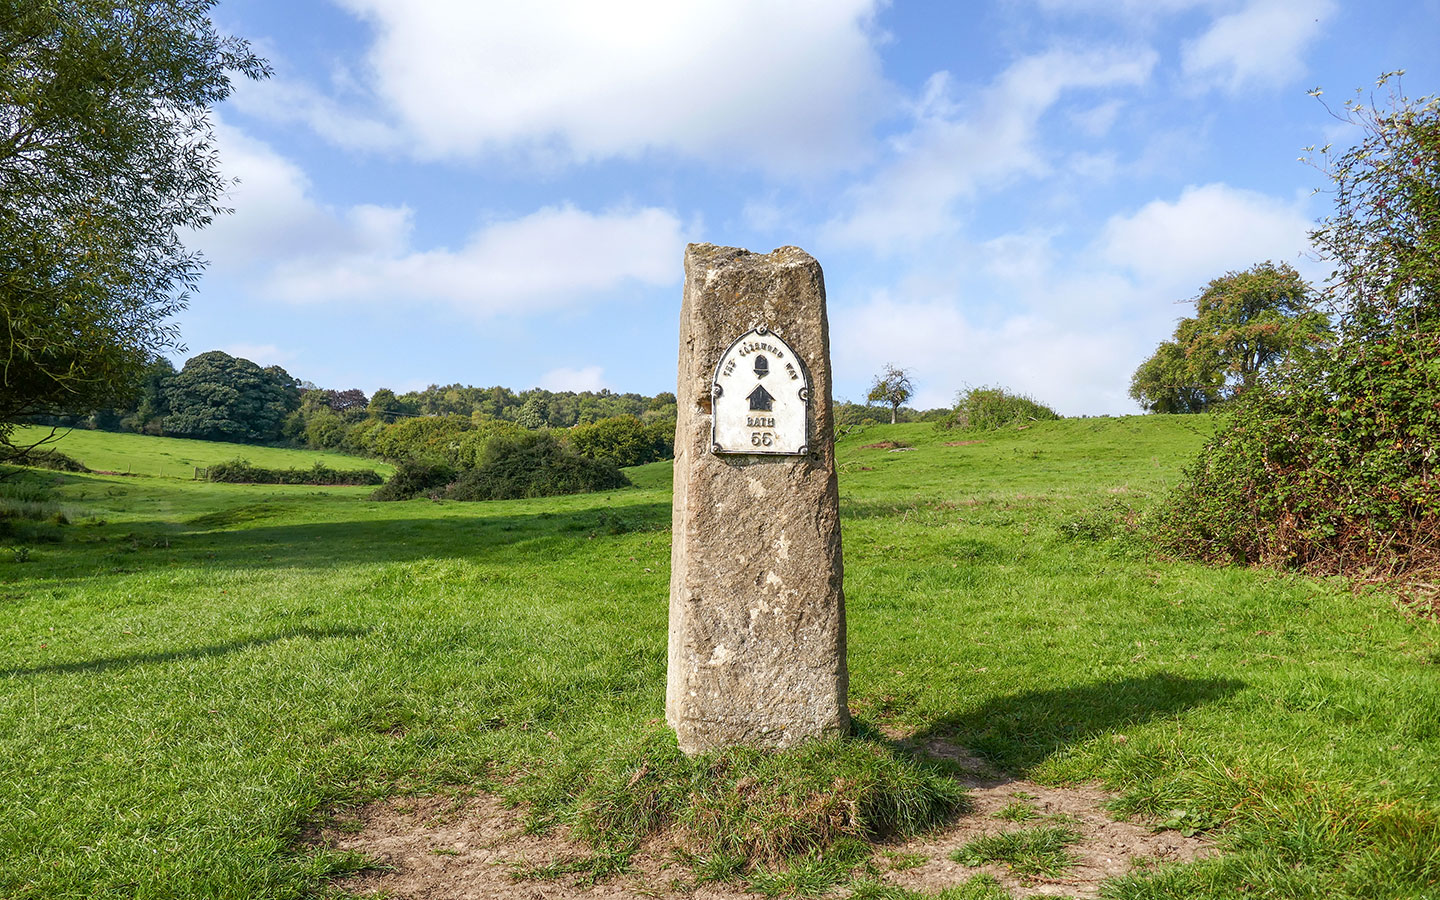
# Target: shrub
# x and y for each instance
(45, 459)
(1331, 467)
(532, 464)
(624, 440)
(1330, 471)
(985, 408)
(240, 471)
(413, 478)
(511, 464)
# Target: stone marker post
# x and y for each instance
(757, 609)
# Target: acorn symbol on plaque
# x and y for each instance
(773, 418)
(760, 399)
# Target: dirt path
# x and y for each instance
(442, 848)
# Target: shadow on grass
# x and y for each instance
(1019, 731)
(205, 652)
(249, 543)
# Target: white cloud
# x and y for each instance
(1127, 10)
(589, 378)
(1180, 245)
(287, 101)
(1097, 120)
(1065, 323)
(1262, 44)
(949, 348)
(553, 257)
(791, 86)
(953, 153)
(293, 247)
(277, 217)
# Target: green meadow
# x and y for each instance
(139, 454)
(195, 673)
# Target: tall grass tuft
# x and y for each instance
(757, 808)
(28, 498)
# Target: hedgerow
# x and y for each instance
(241, 471)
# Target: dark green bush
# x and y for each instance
(511, 464)
(986, 408)
(1332, 470)
(414, 478)
(532, 464)
(624, 440)
(240, 471)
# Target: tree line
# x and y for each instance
(219, 397)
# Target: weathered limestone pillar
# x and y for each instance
(757, 609)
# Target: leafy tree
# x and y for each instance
(1244, 324)
(347, 402)
(220, 397)
(1331, 467)
(533, 413)
(892, 387)
(623, 440)
(151, 407)
(106, 158)
(421, 437)
(383, 405)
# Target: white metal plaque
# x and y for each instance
(760, 397)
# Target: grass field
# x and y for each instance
(138, 454)
(198, 670)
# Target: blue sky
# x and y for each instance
(1018, 192)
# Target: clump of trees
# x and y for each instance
(219, 397)
(1245, 324)
(1329, 464)
(106, 159)
(988, 408)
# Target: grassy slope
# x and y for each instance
(182, 686)
(141, 454)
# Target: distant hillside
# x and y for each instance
(142, 454)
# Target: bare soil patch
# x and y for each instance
(475, 848)
(1107, 848)
(886, 445)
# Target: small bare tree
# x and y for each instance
(891, 386)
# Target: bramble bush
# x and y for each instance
(414, 478)
(1330, 466)
(988, 408)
